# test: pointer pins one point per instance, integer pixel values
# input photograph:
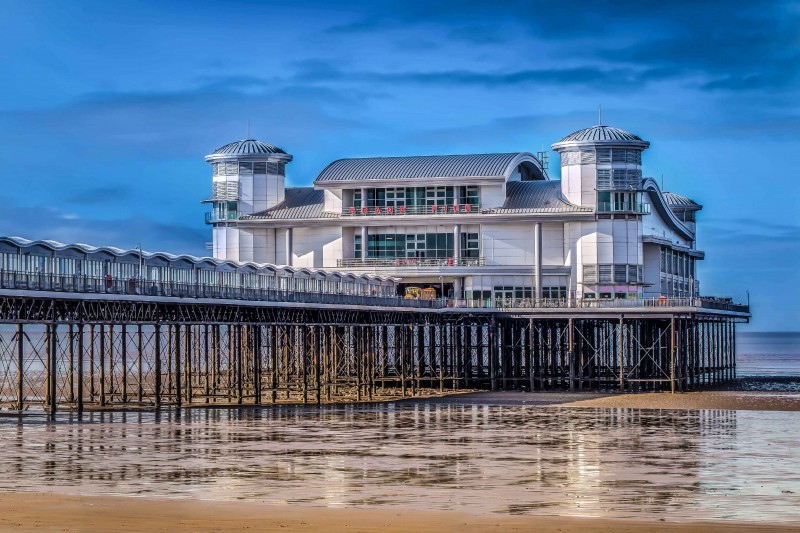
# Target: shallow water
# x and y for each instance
(676, 465)
(767, 354)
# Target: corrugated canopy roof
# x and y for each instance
(601, 133)
(521, 196)
(677, 201)
(299, 202)
(428, 166)
(248, 147)
(543, 196)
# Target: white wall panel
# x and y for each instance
(553, 244)
(333, 200)
(246, 245)
(493, 195)
(508, 244)
(309, 245)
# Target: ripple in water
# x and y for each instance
(499, 459)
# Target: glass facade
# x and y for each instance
(422, 197)
(421, 245)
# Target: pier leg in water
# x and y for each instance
(20, 367)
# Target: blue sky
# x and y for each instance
(107, 108)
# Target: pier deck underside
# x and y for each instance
(72, 353)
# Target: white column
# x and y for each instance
(457, 287)
(537, 258)
(289, 246)
(364, 241)
(457, 243)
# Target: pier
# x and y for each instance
(70, 342)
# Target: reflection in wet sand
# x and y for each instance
(505, 459)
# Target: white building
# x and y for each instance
(473, 226)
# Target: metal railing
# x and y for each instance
(133, 286)
(94, 285)
(411, 262)
(213, 216)
(623, 207)
(451, 209)
(720, 304)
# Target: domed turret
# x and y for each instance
(245, 147)
(601, 168)
(600, 135)
(248, 177)
(598, 160)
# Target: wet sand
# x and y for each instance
(732, 400)
(500, 461)
(49, 512)
(729, 400)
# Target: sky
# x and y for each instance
(107, 108)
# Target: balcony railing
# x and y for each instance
(213, 216)
(623, 207)
(87, 284)
(590, 303)
(411, 262)
(143, 287)
(452, 209)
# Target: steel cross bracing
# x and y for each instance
(73, 354)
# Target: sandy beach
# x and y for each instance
(48, 512)
(731, 400)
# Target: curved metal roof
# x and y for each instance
(540, 196)
(299, 202)
(248, 147)
(85, 251)
(680, 202)
(601, 134)
(664, 209)
(428, 166)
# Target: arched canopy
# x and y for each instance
(432, 167)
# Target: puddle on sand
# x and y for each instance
(677, 465)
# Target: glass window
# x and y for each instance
(469, 245)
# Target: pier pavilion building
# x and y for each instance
(478, 227)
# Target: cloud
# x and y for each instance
(744, 45)
(48, 222)
(175, 124)
(315, 72)
(99, 195)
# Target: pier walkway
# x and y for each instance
(71, 338)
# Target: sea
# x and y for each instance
(671, 465)
(768, 361)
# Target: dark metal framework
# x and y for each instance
(61, 353)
